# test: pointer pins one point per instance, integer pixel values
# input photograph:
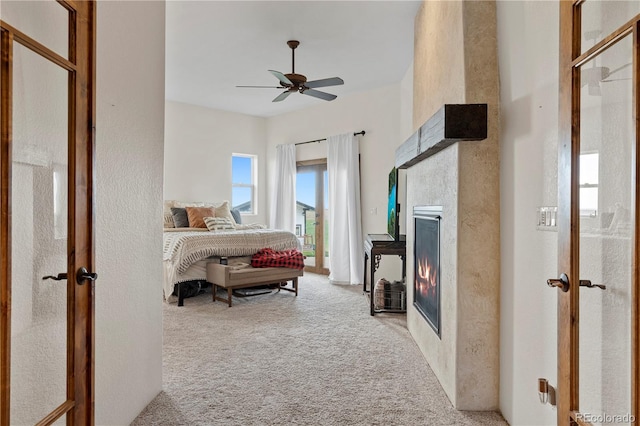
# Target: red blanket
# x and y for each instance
(267, 258)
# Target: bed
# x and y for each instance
(186, 251)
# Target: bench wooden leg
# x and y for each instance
(214, 294)
(294, 283)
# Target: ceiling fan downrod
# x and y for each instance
(293, 44)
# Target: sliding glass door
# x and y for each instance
(312, 214)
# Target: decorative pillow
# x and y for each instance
(196, 216)
(219, 224)
(167, 204)
(180, 218)
(168, 220)
(224, 211)
(236, 216)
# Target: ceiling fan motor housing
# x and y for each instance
(296, 79)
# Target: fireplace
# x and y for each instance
(426, 286)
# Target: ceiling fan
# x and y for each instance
(293, 82)
(595, 75)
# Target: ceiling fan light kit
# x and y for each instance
(293, 82)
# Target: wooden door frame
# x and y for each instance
(319, 230)
(81, 65)
(567, 214)
(6, 83)
(635, 289)
(571, 59)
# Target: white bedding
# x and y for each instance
(185, 253)
(197, 271)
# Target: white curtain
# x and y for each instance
(346, 247)
(283, 201)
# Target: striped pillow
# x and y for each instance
(168, 220)
(218, 224)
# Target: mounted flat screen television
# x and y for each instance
(393, 208)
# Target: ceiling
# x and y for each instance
(213, 46)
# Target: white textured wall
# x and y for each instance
(375, 111)
(455, 62)
(406, 105)
(129, 161)
(528, 55)
(199, 142)
(435, 183)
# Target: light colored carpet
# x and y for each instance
(315, 359)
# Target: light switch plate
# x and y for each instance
(547, 218)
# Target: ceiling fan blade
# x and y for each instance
(283, 78)
(618, 69)
(265, 87)
(615, 79)
(282, 96)
(333, 81)
(319, 94)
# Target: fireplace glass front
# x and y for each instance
(426, 290)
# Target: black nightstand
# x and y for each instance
(375, 246)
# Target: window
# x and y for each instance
(589, 184)
(244, 183)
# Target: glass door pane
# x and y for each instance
(46, 21)
(306, 214)
(600, 18)
(606, 232)
(39, 237)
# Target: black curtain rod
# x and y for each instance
(320, 140)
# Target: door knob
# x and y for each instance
(83, 275)
(562, 283)
(587, 283)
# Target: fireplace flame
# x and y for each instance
(426, 278)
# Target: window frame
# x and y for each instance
(253, 185)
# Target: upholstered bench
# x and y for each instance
(232, 277)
